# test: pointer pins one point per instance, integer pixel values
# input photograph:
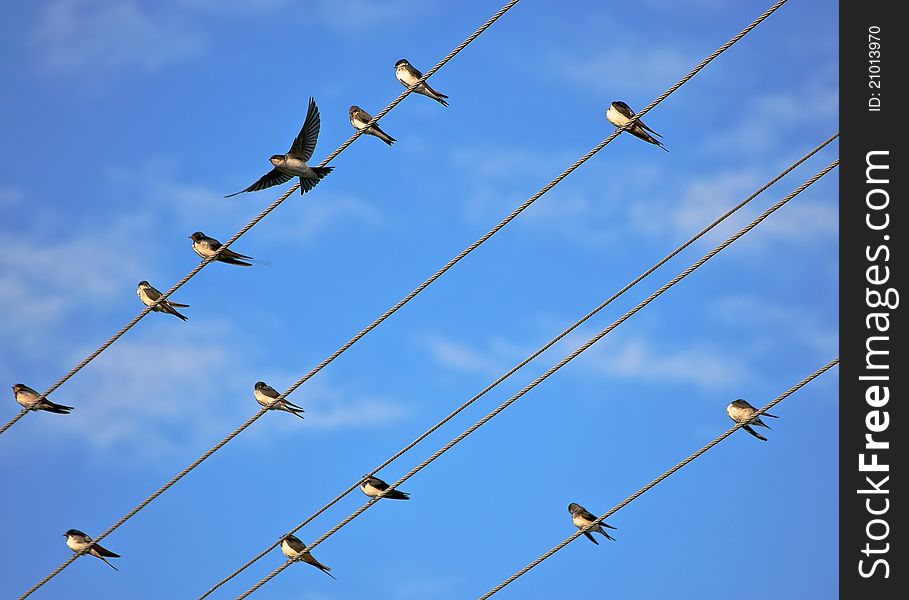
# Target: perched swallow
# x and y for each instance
(293, 164)
(78, 541)
(408, 75)
(149, 295)
(359, 118)
(294, 549)
(32, 400)
(620, 113)
(373, 486)
(742, 412)
(581, 518)
(205, 246)
(265, 395)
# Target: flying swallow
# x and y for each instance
(408, 75)
(581, 518)
(78, 541)
(293, 164)
(742, 412)
(149, 295)
(620, 113)
(359, 118)
(373, 486)
(205, 246)
(32, 400)
(294, 549)
(265, 395)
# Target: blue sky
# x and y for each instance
(125, 124)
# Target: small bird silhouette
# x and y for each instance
(373, 487)
(359, 118)
(293, 164)
(294, 549)
(581, 518)
(408, 75)
(32, 400)
(620, 113)
(266, 395)
(78, 541)
(742, 412)
(149, 295)
(205, 246)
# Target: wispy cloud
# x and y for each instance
(626, 69)
(98, 39)
(189, 203)
(50, 279)
(697, 364)
(771, 324)
(330, 406)
(768, 119)
(150, 399)
(360, 15)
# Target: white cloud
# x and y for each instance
(622, 71)
(772, 324)
(769, 119)
(101, 38)
(361, 15)
(52, 278)
(698, 364)
(97, 40)
(190, 203)
(149, 399)
(806, 221)
(496, 356)
(323, 212)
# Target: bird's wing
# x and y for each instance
(269, 391)
(378, 484)
(587, 515)
(754, 433)
(591, 538)
(272, 178)
(152, 293)
(364, 116)
(624, 109)
(305, 143)
(641, 123)
(416, 73)
(104, 551)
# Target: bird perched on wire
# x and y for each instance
(581, 518)
(294, 549)
(373, 487)
(293, 164)
(359, 118)
(149, 295)
(408, 75)
(78, 541)
(742, 412)
(266, 396)
(205, 247)
(620, 113)
(32, 400)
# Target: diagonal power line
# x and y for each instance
(262, 214)
(577, 352)
(659, 479)
(527, 360)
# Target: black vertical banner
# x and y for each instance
(874, 368)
